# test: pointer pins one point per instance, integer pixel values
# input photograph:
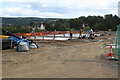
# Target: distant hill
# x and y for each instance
(97, 23)
(25, 21)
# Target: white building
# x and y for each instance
(42, 27)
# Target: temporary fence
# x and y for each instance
(117, 43)
(45, 33)
(53, 35)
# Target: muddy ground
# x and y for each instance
(61, 59)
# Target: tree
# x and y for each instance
(16, 29)
(110, 22)
(86, 28)
(60, 25)
(75, 24)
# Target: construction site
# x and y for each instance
(59, 56)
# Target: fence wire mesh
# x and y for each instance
(117, 43)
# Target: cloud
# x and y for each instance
(59, 8)
(27, 12)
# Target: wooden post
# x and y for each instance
(35, 39)
(54, 37)
(64, 34)
(11, 43)
(43, 37)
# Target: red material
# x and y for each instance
(47, 33)
(111, 47)
(110, 55)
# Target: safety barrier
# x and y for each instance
(45, 33)
(54, 34)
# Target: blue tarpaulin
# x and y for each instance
(18, 40)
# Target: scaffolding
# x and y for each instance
(117, 43)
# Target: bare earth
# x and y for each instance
(55, 59)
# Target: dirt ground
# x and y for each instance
(60, 59)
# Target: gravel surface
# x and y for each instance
(61, 59)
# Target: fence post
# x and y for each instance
(11, 43)
(43, 37)
(54, 37)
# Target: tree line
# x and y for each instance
(97, 23)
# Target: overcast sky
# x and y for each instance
(57, 8)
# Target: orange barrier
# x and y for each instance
(18, 34)
(45, 33)
(3, 36)
(28, 34)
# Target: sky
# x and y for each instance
(57, 8)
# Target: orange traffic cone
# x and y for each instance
(110, 55)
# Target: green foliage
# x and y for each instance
(110, 22)
(86, 28)
(75, 24)
(38, 30)
(51, 24)
(96, 22)
(16, 29)
(60, 25)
